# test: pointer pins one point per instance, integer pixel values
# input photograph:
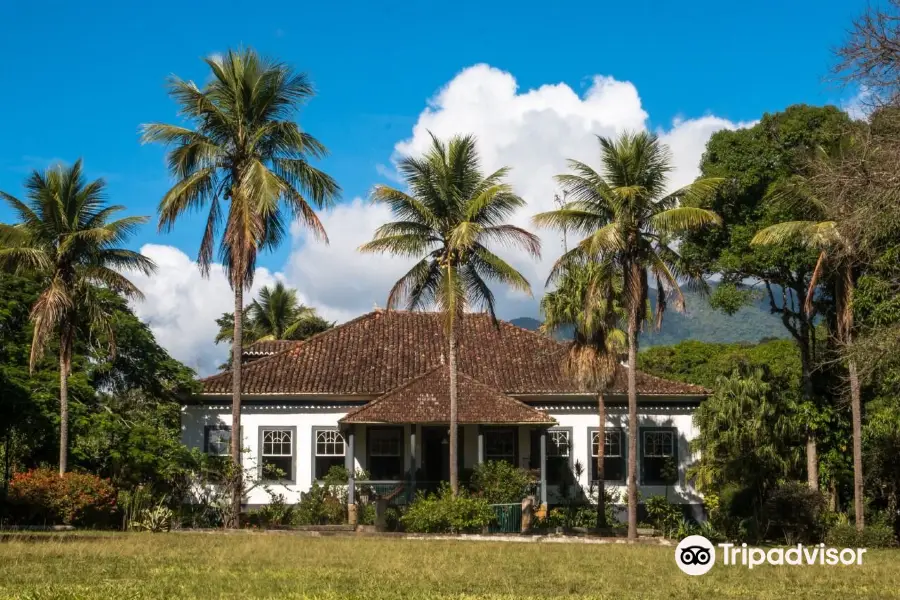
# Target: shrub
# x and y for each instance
(277, 513)
(873, 536)
(499, 482)
(366, 514)
(442, 513)
(665, 517)
(796, 511)
(338, 475)
(736, 513)
(319, 506)
(156, 519)
(42, 496)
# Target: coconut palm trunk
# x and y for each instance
(237, 491)
(64, 362)
(454, 416)
(632, 422)
(601, 454)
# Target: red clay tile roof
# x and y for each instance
(378, 352)
(269, 347)
(426, 399)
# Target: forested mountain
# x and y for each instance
(703, 323)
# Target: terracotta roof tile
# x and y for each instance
(269, 347)
(379, 351)
(426, 399)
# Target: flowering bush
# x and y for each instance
(442, 513)
(41, 496)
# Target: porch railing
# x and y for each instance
(396, 492)
(401, 493)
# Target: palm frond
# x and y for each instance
(683, 219)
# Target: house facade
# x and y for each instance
(373, 395)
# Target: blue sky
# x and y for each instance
(81, 77)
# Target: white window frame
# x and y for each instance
(553, 448)
(292, 453)
(646, 447)
(337, 438)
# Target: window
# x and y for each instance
(613, 455)
(385, 452)
(329, 451)
(659, 458)
(500, 444)
(217, 440)
(277, 453)
(559, 452)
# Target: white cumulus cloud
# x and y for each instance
(532, 131)
(181, 306)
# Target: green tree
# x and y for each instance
(242, 147)
(751, 160)
(746, 437)
(275, 315)
(446, 221)
(65, 236)
(829, 230)
(629, 218)
(587, 300)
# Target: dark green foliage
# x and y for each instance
(663, 515)
(442, 513)
(795, 513)
(321, 505)
(703, 363)
(500, 482)
(124, 409)
(277, 513)
(583, 516)
(873, 536)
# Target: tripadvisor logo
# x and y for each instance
(696, 555)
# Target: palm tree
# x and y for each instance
(242, 147)
(275, 315)
(629, 218)
(587, 300)
(450, 215)
(828, 231)
(65, 236)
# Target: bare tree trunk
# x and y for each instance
(454, 441)
(63, 408)
(237, 491)
(812, 454)
(856, 409)
(601, 451)
(812, 461)
(845, 298)
(632, 422)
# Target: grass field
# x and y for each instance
(286, 566)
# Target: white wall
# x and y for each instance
(194, 418)
(579, 419)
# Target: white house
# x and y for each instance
(373, 393)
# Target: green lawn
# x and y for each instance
(287, 566)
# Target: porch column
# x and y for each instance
(350, 464)
(413, 465)
(480, 446)
(544, 467)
